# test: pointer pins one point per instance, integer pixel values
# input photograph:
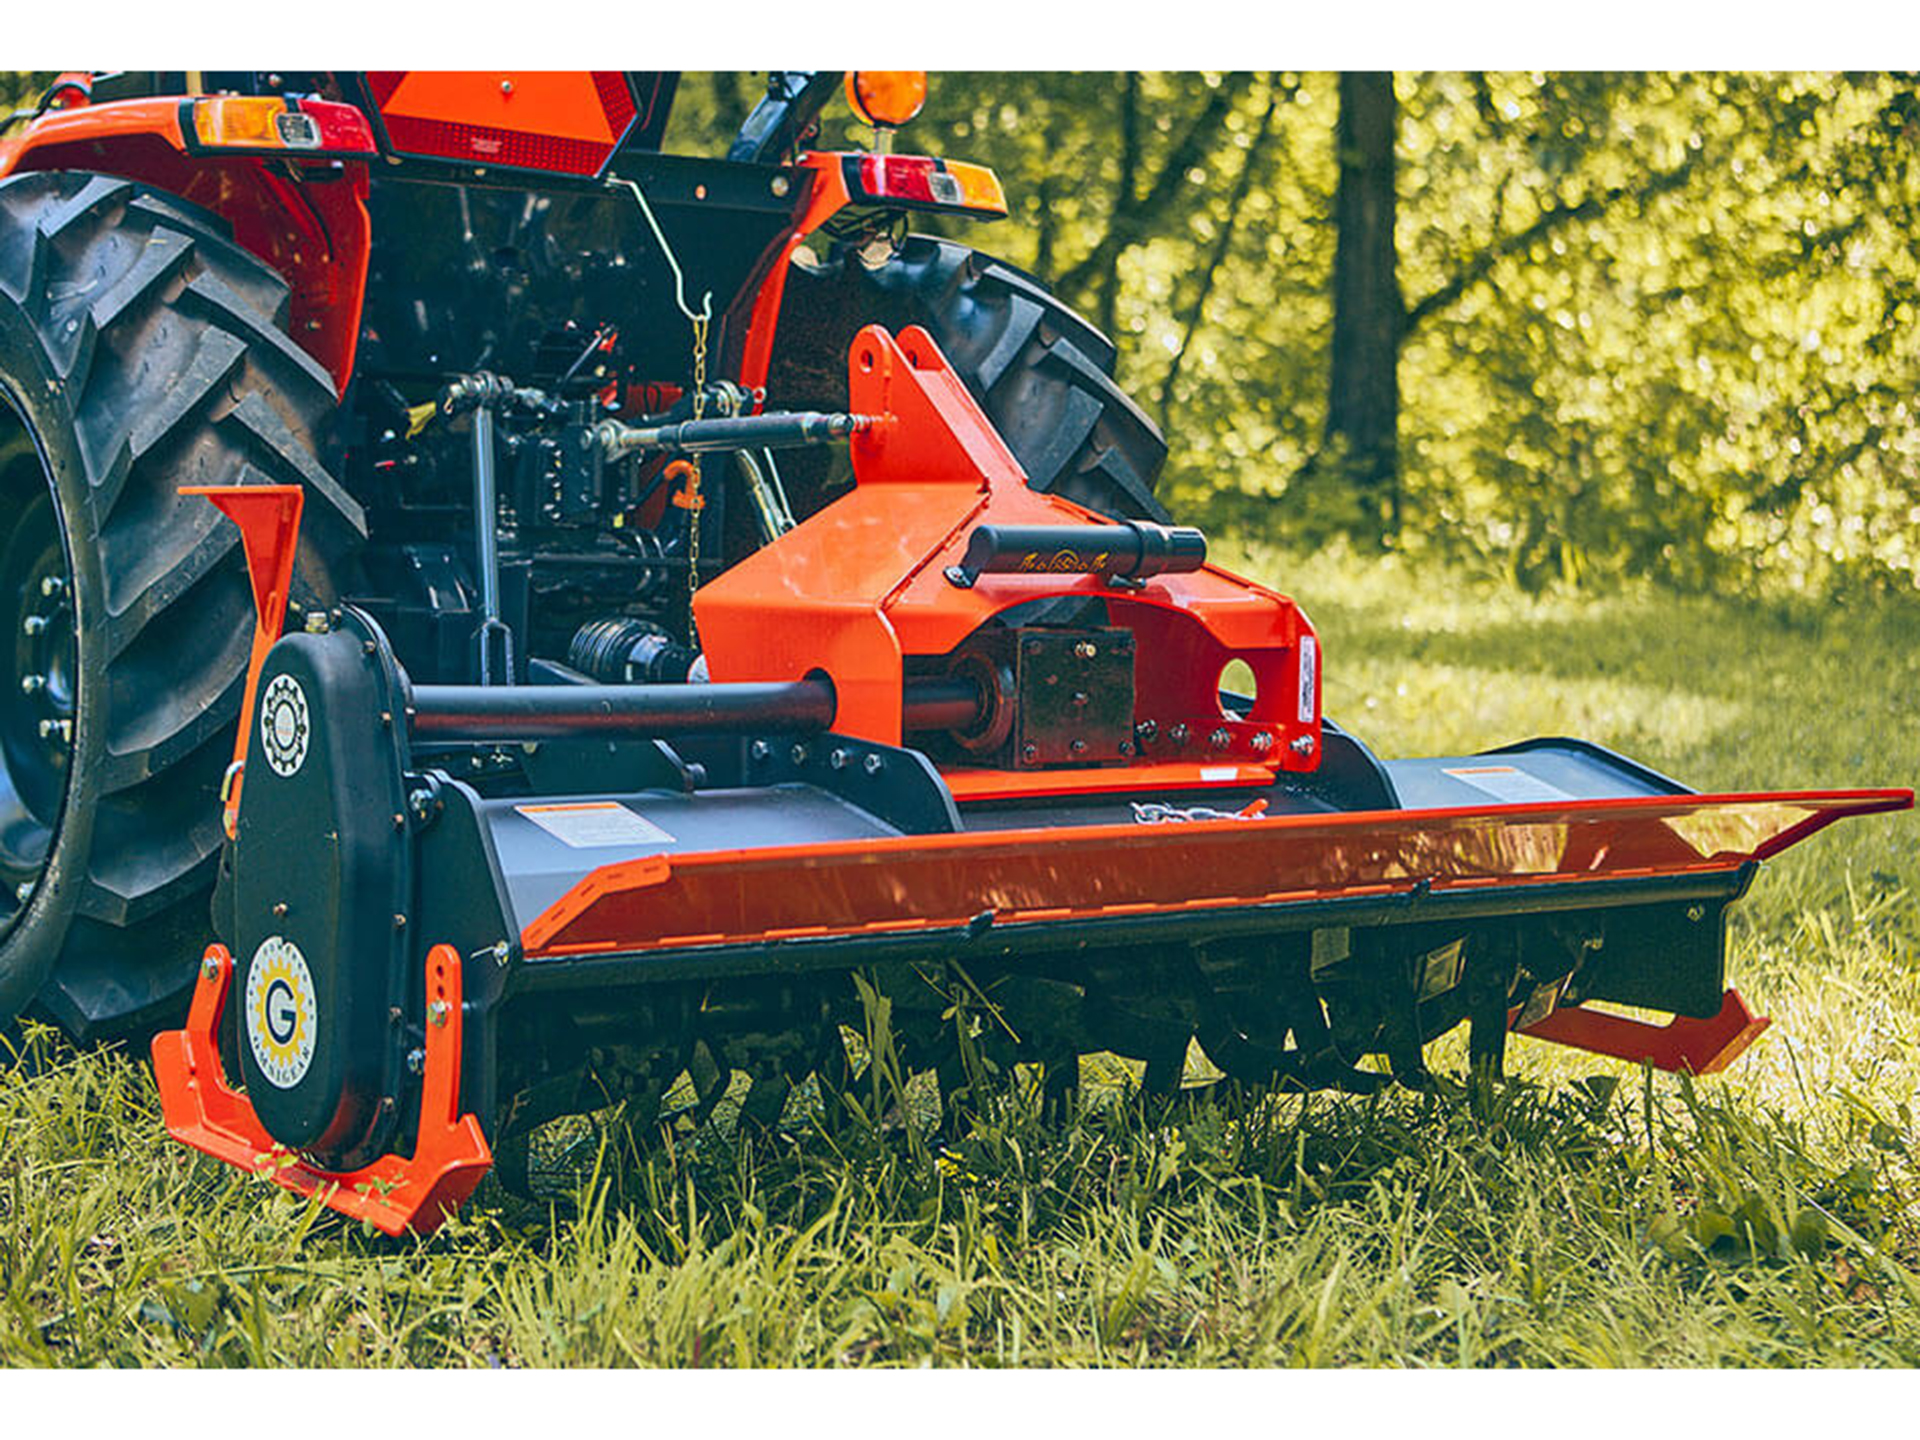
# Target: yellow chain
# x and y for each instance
(693, 479)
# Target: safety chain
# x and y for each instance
(695, 503)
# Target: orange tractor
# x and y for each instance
(504, 618)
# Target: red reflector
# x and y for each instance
(566, 122)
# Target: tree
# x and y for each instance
(1363, 389)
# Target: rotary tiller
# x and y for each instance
(956, 734)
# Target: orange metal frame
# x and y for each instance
(394, 1194)
(1683, 1044)
(860, 586)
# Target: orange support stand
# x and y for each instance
(1698, 1047)
(392, 1194)
(269, 521)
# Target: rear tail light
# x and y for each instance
(916, 182)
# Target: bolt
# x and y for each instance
(23, 892)
(438, 1012)
(394, 1017)
(1220, 738)
(317, 622)
(798, 754)
(759, 750)
(780, 185)
(506, 87)
(1078, 747)
(399, 922)
(416, 1062)
(1029, 750)
(210, 967)
(502, 952)
(1146, 730)
(34, 624)
(873, 764)
(421, 803)
(1696, 913)
(1261, 742)
(838, 759)
(1126, 747)
(386, 1104)
(1178, 734)
(399, 821)
(1302, 745)
(279, 909)
(1081, 697)
(1086, 650)
(61, 728)
(52, 585)
(33, 684)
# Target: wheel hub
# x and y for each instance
(39, 668)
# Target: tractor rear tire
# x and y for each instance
(1042, 372)
(140, 351)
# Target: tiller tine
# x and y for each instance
(962, 738)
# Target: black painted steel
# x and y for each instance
(538, 712)
(1130, 549)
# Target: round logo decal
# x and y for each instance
(283, 724)
(280, 1015)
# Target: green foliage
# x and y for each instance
(1596, 1215)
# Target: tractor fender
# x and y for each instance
(306, 217)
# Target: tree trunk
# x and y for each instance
(1363, 400)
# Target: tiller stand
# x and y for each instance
(962, 736)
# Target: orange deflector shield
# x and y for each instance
(1036, 876)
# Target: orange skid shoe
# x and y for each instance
(393, 1194)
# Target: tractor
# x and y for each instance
(507, 621)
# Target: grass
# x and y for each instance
(1598, 1215)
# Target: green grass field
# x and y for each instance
(1598, 1216)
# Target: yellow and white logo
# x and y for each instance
(280, 1013)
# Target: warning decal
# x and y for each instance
(1505, 783)
(589, 824)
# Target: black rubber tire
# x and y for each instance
(141, 350)
(1042, 372)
